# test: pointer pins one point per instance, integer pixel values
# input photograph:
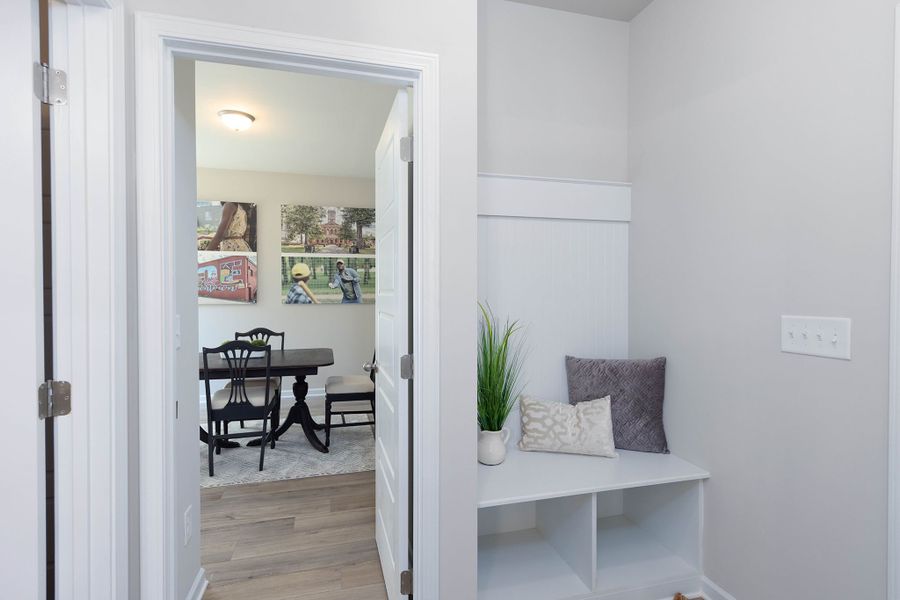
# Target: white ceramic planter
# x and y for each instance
(492, 446)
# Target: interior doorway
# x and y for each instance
(166, 175)
(291, 171)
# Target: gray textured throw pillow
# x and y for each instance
(636, 388)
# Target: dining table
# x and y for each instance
(298, 363)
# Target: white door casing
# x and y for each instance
(159, 39)
(391, 342)
(22, 545)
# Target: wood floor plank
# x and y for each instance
(344, 518)
(293, 497)
(342, 503)
(234, 516)
(241, 533)
(296, 561)
(368, 592)
(216, 552)
(277, 587)
(288, 485)
(362, 574)
(307, 539)
(320, 539)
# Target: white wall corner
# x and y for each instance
(199, 587)
(711, 591)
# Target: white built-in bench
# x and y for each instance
(559, 527)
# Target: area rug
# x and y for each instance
(352, 450)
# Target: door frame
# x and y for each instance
(159, 39)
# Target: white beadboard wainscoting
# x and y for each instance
(554, 255)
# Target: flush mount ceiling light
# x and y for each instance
(236, 119)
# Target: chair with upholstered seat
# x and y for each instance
(239, 400)
(349, 388)
(264, 334)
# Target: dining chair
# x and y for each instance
(238, 400)
(349, 388)
(264, 334)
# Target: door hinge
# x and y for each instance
(406, 149)
(406, 583)
(50, 85)
(54, 399)
(406, 366)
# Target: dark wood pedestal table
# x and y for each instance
(297, 363)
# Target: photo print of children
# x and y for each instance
(347, 280)
(324, 279)
(300, 292)
(336, 246)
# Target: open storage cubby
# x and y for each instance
(558, 527)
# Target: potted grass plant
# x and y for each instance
(499, 374)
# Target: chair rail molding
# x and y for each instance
(550, 198)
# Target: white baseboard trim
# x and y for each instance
(199, 587)
(711, 591)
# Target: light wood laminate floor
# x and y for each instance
(305, 539)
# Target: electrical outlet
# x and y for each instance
(817, 336)
(188, 524)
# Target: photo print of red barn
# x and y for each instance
(226, 252)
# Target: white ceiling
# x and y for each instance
(305, 124)
(620, 10)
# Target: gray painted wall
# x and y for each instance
(760, 146)
(553, 93)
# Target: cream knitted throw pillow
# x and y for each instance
(583, 428)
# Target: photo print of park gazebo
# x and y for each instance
(327, 254)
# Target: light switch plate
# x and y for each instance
(816, 336)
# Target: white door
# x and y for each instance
(22, 545)
(89, 266)
(392, 342)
